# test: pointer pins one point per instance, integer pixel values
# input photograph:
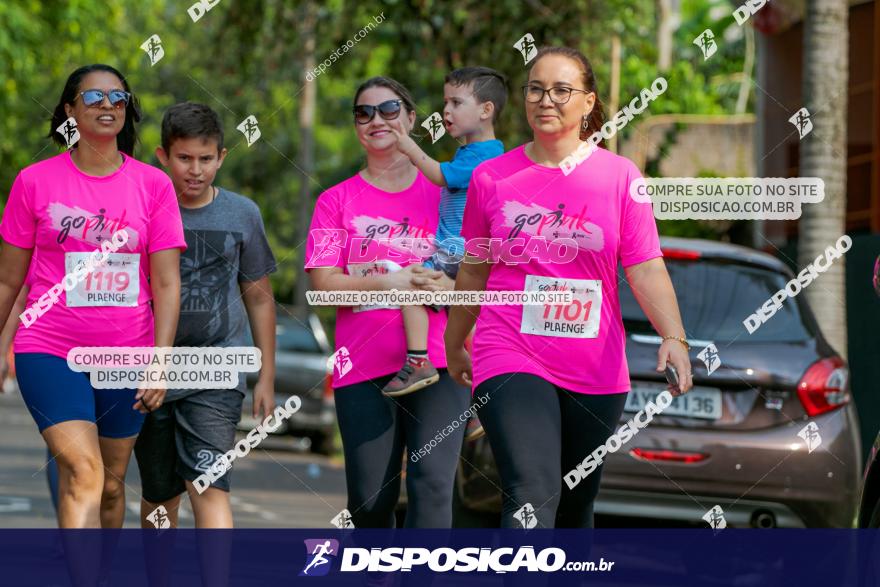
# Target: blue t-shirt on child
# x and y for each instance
(453, 197)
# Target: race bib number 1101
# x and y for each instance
(579, 319)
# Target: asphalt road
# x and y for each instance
(275, 486)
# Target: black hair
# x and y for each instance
(127, 137)
(597, 116)
(393, 85)
(191, 120)
(489, 85)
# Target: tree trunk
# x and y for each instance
(665, 26)
(306, 158)
(823, 154)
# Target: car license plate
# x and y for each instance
(700, 402)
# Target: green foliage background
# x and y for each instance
(245, 57)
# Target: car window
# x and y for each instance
(294, 337)
(715, 298)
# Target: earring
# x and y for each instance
(585, 127)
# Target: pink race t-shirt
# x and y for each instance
(579, 347)
(366, 231)
(65, 215)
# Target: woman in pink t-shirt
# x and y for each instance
(362, 232)
(60, 214)
(552, 380)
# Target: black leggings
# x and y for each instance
(538, 432)
(375, 430)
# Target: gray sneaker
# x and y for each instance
(413, 376)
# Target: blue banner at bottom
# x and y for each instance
(274, 558)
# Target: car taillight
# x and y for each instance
(328, 387)
(668, 455)
(824, 387)
(684, 254)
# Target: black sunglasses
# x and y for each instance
(95, 97)
(388, 110)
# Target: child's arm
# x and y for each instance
(260, 305)
(407, 146)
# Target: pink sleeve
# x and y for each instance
(327, 238)
(475, 223)
(166, 227)
(19, 225)
(639, 241)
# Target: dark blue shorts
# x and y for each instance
(54, 394)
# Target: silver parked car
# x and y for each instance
(301, 369)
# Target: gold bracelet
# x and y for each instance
(679, 339)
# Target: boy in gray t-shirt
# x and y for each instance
(224, 278)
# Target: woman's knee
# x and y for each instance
(83, 472)
(114, 489)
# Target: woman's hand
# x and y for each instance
(429, 280)
(458, 364)
(400, 280)
(149, 400)
(674, 352)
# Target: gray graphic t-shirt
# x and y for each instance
(226, 245)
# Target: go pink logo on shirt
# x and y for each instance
(85, 226)
(535, 220)
(387, 229)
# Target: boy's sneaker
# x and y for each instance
(473, 430)
(415, 374)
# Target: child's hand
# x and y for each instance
(405, 144)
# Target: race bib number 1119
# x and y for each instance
(114, 284)
(579, 319)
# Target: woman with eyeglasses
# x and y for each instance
(102, 235)
(553, 378)
(366, 235)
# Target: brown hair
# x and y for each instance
(393, 85)
(597, 116)
(488, 84)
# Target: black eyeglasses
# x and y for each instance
(558, 94)
(388, 110)
(96, 97)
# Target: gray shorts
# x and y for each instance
(183, 438)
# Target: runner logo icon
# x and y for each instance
(526, 516)
(710, 358)
(320, 553)
(526, 46)
(434, 125)
(329, 243)
(715, 518)
(801, 121)
(811, 436)
(343, 520)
